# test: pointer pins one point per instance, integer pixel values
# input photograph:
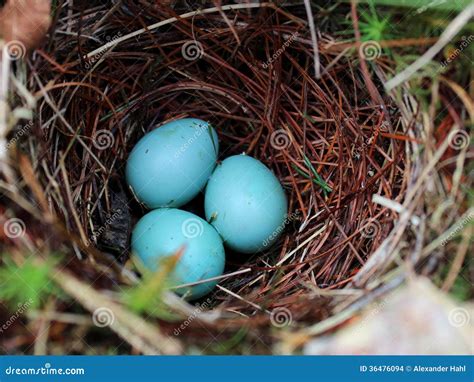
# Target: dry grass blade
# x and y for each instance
(132, 328)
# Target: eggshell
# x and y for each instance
(162, 232)
(170, 165)
(246, 203)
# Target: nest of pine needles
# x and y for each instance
(320, 119)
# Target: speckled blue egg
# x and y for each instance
(170, 165)
(162, 232)
(246, 204)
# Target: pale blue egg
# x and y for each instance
(246, 203)
(162, 232)
(170, 165)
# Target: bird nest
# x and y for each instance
(321, 120)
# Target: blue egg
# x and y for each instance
(246, 204)
(162, 232)
(170, 165)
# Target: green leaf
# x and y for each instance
(444, 5)
(28, 283)
(146, 297)
(317, 178)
